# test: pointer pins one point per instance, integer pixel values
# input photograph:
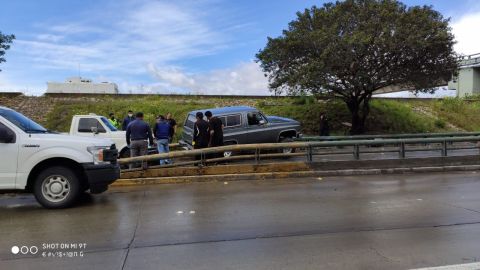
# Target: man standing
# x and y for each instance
(215, 128)
(173, 126)
(162, 134)
(201, 138)
(113, 120)
(324, 127)
(127, 120)
(138, 135)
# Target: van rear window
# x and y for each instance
(190, 121)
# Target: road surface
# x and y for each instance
(359, 222)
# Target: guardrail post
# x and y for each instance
(202, 159)
(257, 155)
(309, 153)
(444, 148)
(356, 151)
(401, 151)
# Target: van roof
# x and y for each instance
(226, 110)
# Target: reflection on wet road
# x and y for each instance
(368, 222)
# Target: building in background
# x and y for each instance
(467, 82)
(79, 85)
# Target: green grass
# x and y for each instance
(463, 113)
(390, 116)
(387, 116)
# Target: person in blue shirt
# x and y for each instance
(161, 130)
(127, 120)
(138, 135)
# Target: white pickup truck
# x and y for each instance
(98, 126)
(56, 168)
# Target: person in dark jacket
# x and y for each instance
(173, 126)
(162, 135)
(138, 135)
(324, 127)
(127, 120)
(201, 137)
(215, 128)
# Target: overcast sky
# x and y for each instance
(188, 46)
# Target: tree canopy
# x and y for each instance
(350, 49)
(5, 41)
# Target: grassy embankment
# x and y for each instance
(387, 116)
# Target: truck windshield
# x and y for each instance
(108, 124)
(22, 122)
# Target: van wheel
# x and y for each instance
(57, 187)
(286, 150)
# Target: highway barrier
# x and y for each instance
(309, 149)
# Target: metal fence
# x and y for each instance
(309, 149)
(388, 136)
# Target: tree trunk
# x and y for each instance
(359, 110)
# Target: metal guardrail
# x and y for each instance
(387, 136)
(310, 149)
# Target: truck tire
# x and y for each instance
(57, 187)
(286, 150)
(124, 153)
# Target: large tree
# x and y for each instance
(351, 49)
(5, 41)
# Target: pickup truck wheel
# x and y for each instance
(287, 150)
(57, 187)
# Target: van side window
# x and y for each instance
(86, 125)
(224, 120)
(233, 120)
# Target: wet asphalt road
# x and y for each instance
(361, 222)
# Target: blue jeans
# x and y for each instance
(162, 146)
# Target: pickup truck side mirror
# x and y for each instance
(6, 136)
(94, 130)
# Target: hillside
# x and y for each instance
(387, 116)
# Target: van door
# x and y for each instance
(257, 125)
(8, 158)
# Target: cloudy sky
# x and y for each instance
(158, 46)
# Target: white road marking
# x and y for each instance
(179, 212)
(192, 212)
(465, 266)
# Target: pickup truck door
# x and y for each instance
(8, 158)
(87, 125)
